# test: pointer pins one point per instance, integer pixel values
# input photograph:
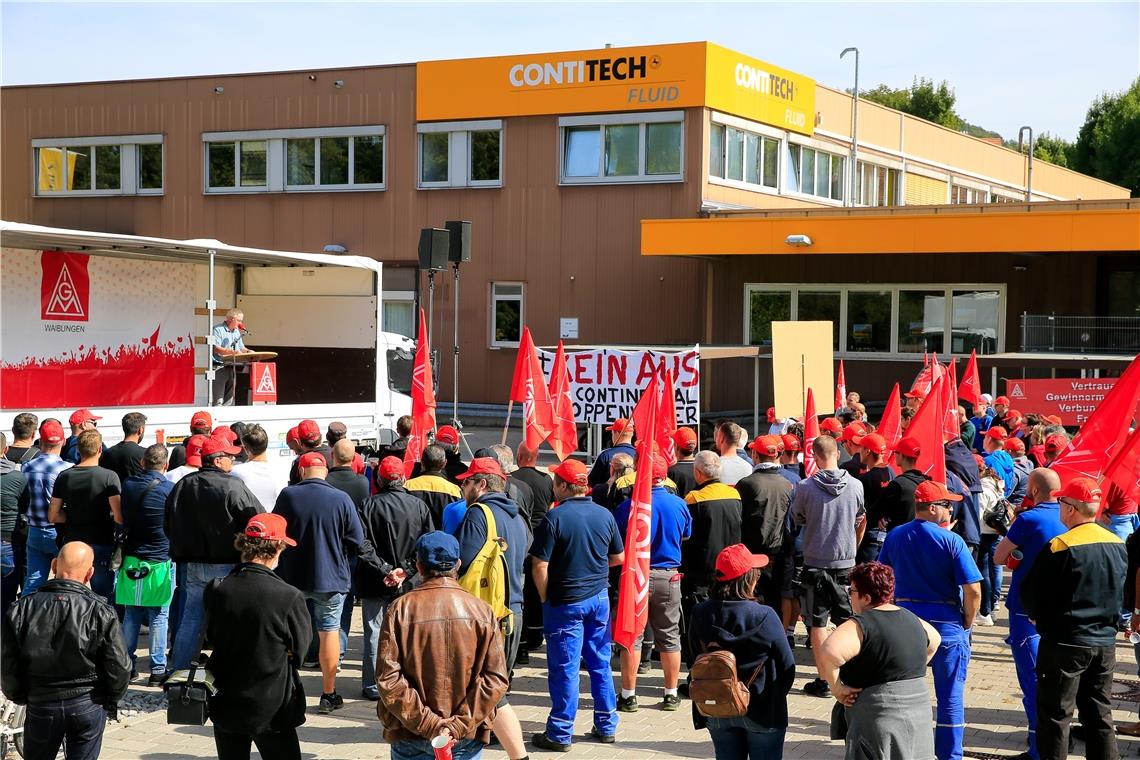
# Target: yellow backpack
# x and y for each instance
(486, 576)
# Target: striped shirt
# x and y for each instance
(41, 473)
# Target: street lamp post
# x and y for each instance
(854, 129)
(1029, 163)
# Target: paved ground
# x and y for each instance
(993, 713)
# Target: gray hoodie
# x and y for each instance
(12, 483)
(828, 505)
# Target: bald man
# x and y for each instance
(62, 654)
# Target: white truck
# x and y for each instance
(121, 323)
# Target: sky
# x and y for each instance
(1010, 63)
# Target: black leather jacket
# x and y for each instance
(393, 520)
(61, 642)
(204, 512)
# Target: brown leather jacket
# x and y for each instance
(440, 664)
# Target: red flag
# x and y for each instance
(840, 388)
(890, 426)
(423, 400)
(414, 450)
(1102, 436)
(971, 388)
(926, 426)
(811, 432)
(564, 437)
(666, 419)
(951, 429)
(925, 359)
(529, 387)
(633, 592)
(1124, 469)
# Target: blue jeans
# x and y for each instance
(577, 631)
(745, 739)
(949, 664)
(372, 610)
(468, 749)
(186, 644)
(78, 720)
(41, 551)
(103, 580)
(9, 583)
(1024, 640)
(991, 573)
(155, 619)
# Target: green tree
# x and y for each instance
(1108, 145)
(924, 99)
(1056, 150)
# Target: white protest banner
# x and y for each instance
(605, 383)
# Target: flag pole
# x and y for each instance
(507, 422)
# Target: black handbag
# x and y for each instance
(188, 692)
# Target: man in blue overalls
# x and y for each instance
(1029, 534)
(937, 579)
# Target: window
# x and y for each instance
(963, 194)
(884, 320)
(126, 165)
(877, 185)
(814, 172)
(742, 156)
(299, 160)
(622, 148)
(506, 314)
(461, 154)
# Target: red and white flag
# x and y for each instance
(564, 437)
(423, 400)
(926, 426)
(633, 592)
(841, 388)
(529, 387)
(951, 429)
(1103, 435)
(971, 387)
(890, 426)
(811, 432)
(1124, 469)
(666, 419)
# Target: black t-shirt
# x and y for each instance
(874, 482)
(124, 459)
(86, 493)
(894, 649)
(21, 454)
(682, 474)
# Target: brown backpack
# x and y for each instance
(715, 687)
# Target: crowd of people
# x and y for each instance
(463, 569)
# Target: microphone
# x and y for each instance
(241, 326)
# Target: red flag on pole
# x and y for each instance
(423, 400)
(890, 426)
(1103, 434)
(971, 388)
(951, 429)
(1124, 469)
(811, 432)
(633, 592)
(840, 388)
(564, 437)
(666, 419)
(926, 426)
(529, 387)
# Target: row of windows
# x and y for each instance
(506, 313)
(95, 166)
(883, 319)
(964, 194)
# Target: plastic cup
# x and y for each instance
(441, 746)
(1133, 637)
(1014, 559)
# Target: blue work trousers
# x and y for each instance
(949, 665)
(577, 631)
(1024, 639)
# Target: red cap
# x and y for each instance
(482, 466)
(293, 436)
(1056, 442)
(79, 416)
(311, 459)
(874, 443)
(224, 431)
(214, 445)
(308, 432)
(574, 472)
(997, 433)
(853, 432)
(831, 425)
(791, 442)
(391, 468)
(201, 420)
(447, 435)
(621, 425)
(909, 447)
(269, 526)
(1003, 400)
(1053, 419)
(194, 449)
(1081, 489)
(734, 561)
(51, 432)
(685, 438)
(767, 445)
(1011, 415)
(1014, 445)
(915, 393)
(931, 490)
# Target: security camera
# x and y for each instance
(799, 241)
(219, 90)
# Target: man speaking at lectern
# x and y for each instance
(227, 342)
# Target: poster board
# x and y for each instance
(802, 358)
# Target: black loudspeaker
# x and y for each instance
(460, 241)
(434, 244)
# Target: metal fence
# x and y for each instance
(1048, 333)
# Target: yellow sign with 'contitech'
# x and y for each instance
(683, 75)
